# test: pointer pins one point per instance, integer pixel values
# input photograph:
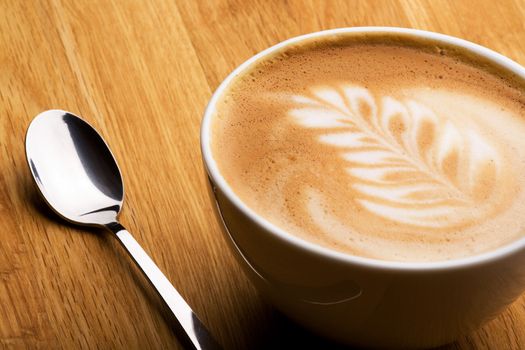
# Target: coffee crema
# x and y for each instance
(377, 145)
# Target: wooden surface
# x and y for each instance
(142, 72)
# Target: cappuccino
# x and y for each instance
(378, 145)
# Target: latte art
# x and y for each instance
(379, 147)
(403, 159)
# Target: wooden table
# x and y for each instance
(142, 72)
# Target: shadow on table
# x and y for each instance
(39, 208)
(283, 333)
(286, 334)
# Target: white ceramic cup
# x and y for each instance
(359, 300)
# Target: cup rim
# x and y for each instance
(317, 249)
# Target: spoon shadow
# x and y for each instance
(41, 209)
(38, 207)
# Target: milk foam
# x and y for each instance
(386, 152)
(398, 171)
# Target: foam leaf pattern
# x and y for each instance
(406, 162)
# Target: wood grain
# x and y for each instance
(142, 72)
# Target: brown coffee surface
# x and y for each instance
(385, 147)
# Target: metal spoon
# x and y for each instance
(79, 179)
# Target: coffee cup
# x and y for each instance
(364, 300)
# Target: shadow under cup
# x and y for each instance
(357, 300)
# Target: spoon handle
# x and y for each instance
(198, 335)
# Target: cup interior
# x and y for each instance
(218, 180)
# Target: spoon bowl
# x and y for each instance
(74, 169)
